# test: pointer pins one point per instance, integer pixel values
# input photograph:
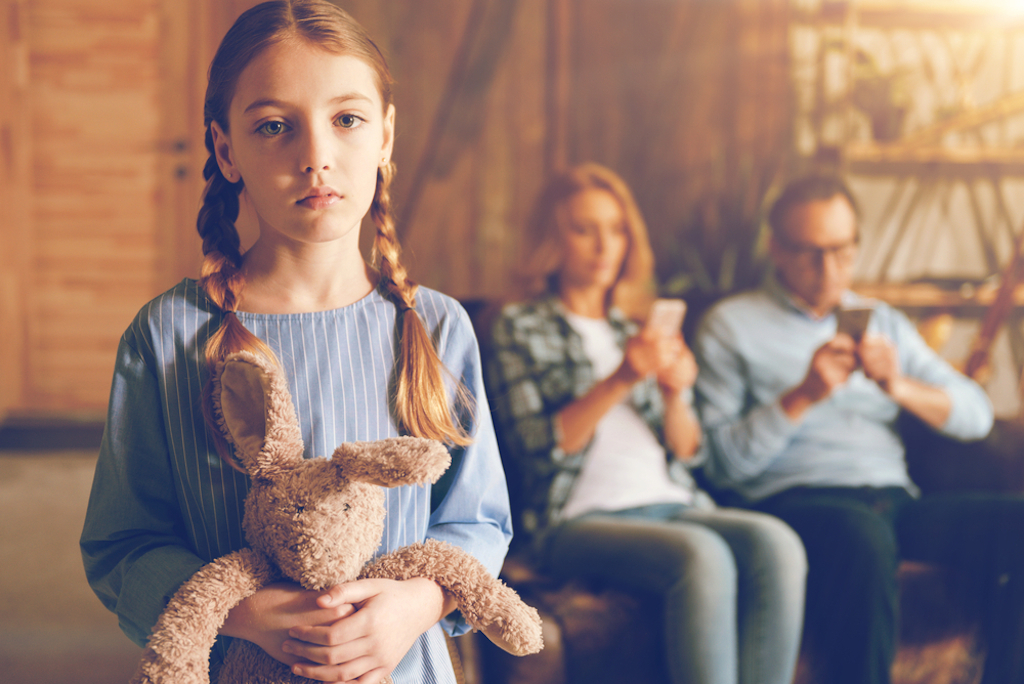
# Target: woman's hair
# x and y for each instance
(543, 248)
(421, 402)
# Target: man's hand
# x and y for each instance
(830, 367)
(880, 361)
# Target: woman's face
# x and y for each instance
(307, 133)
(594, 239)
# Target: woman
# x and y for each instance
(598, 413)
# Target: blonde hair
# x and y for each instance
(544, 248)
(421, 403)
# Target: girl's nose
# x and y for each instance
(316, 155)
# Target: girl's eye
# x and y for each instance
(272, 128)
(348, 121)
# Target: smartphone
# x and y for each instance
(853, 321)
(667, 316)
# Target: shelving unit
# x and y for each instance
(921, 105)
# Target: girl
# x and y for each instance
(600, 418)
(298, 113)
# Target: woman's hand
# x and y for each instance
(366, 645)
(649, 352)
(680, 369)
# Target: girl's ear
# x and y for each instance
(389, 136)
(222, 150)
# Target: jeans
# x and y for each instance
(855, 537)
(732, 581)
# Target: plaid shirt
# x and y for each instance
(536, 368)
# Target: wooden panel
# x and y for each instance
(15, 235)
(95, 110)
(103, 151)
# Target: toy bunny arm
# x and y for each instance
(485, 601)
(178, 651)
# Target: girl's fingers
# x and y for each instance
(373, 676)
(357, 670)
(352, 592)
(336, 654)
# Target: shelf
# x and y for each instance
(927, 297)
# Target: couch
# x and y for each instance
(598, 634)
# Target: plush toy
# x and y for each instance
(316, 522)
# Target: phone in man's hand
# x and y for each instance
(853, 321)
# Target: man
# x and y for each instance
(800, 423)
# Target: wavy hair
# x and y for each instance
(544, 248)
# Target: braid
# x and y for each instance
(223, 281)
(421, 400)
(386, 249)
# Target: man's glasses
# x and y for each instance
(813, 255)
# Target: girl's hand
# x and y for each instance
(266, 617)
(368, 644)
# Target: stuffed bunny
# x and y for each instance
(316, 522)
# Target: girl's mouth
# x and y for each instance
(319, 198)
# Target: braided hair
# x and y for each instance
(421, 403)
(421, 400)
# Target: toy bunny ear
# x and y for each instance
(394, 461)
(252, 405)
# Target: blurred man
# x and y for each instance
(800, 422)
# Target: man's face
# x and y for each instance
(815, 252)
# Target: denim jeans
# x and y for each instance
(732, 581)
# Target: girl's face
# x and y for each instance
(594, 239)
(308, 132)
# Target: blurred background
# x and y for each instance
(704, 106)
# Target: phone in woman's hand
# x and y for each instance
(667, 316)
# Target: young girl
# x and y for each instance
(298, 113)
(599, 414)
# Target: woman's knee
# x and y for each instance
(774, 544)
(703, 561)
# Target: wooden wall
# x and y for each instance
(101, 146)
(14, 218)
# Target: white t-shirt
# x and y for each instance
(626, 465)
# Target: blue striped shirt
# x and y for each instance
(754, 347)
(163, 503)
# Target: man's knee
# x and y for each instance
(847, 536)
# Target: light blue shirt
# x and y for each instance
(163, 503)
(754, 347)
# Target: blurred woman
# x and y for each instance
(597, 412)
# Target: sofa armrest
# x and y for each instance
(941, 464)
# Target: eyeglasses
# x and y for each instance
(812, 255)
